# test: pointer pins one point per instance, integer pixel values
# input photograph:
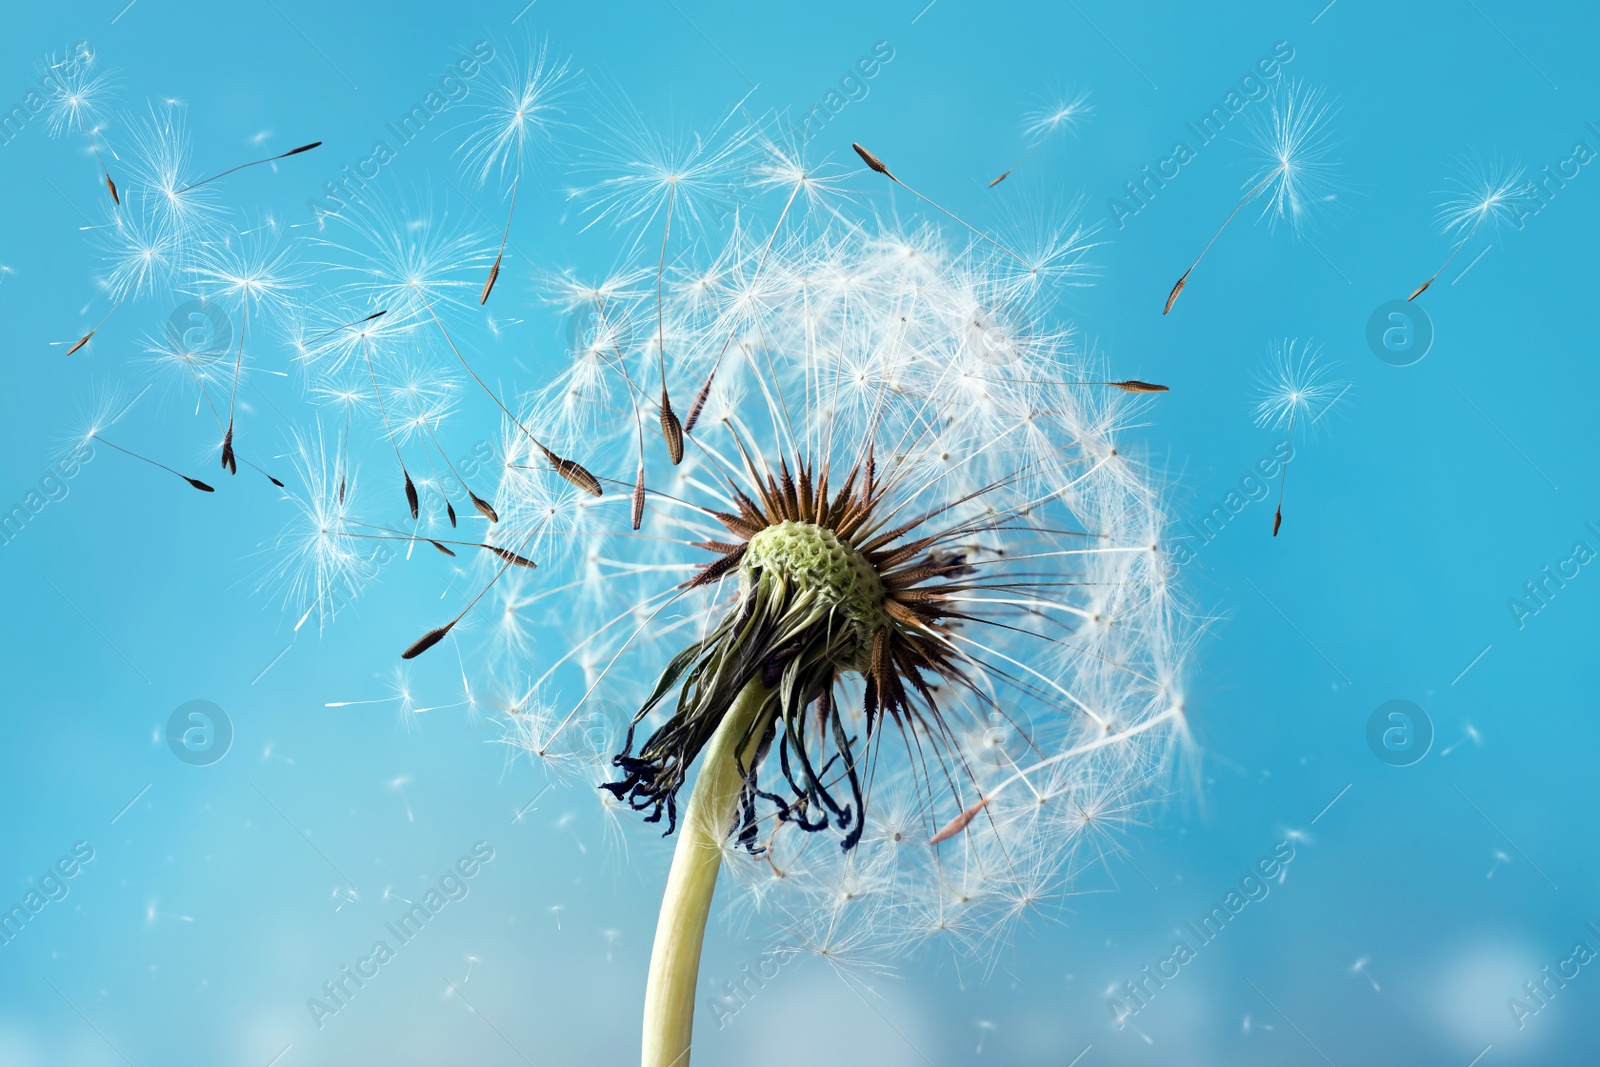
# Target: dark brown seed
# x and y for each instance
(81, 342)
(873, 161)
(450, 510)
(440, 547)
(638, 500)
(694, 409)
(112, 186)
(576, 474)
(341, 490)
(1277, 521)
(302, 148)
(197, 483)
(1134, 386)
(229, 464)
(411, 492)
(672, 431)
(488, 286)
(511, 557)
(1172, 297)
(427, 641)
(277, 483)
(483, 507)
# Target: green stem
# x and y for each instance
(669, 995)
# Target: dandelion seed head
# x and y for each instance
(1294, 141)
(1064, 113)
(317, 565)
(140, 254)
(1295, 382)
(158, 162)
(520, 102)
(76, 93)
(642, 167)
(1484, 191)
(843, 347)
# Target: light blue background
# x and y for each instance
(205, 919)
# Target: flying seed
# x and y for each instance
(511, 557)
(483, 507)
(638, 500)
(877, 164)
(671, 430)
(252, 163)
(197, 483)
(873, 161)
(1172, 297)
(694, 409)
(494, 272)
(958, 824)
(575, 473)
(428, 640)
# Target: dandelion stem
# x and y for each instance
(669, 998)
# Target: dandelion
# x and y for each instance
(859, 559)
(1488, 193)
(139, 257)
(1294, 386)
(195, 482)
(1294, 173)
(257, 274)
(162, 177)
(109, 408)
(318, 569)
(522, 105)
(1041, 123)
(252, 163)
(74, 99)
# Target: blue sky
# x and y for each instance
(1419, 899)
